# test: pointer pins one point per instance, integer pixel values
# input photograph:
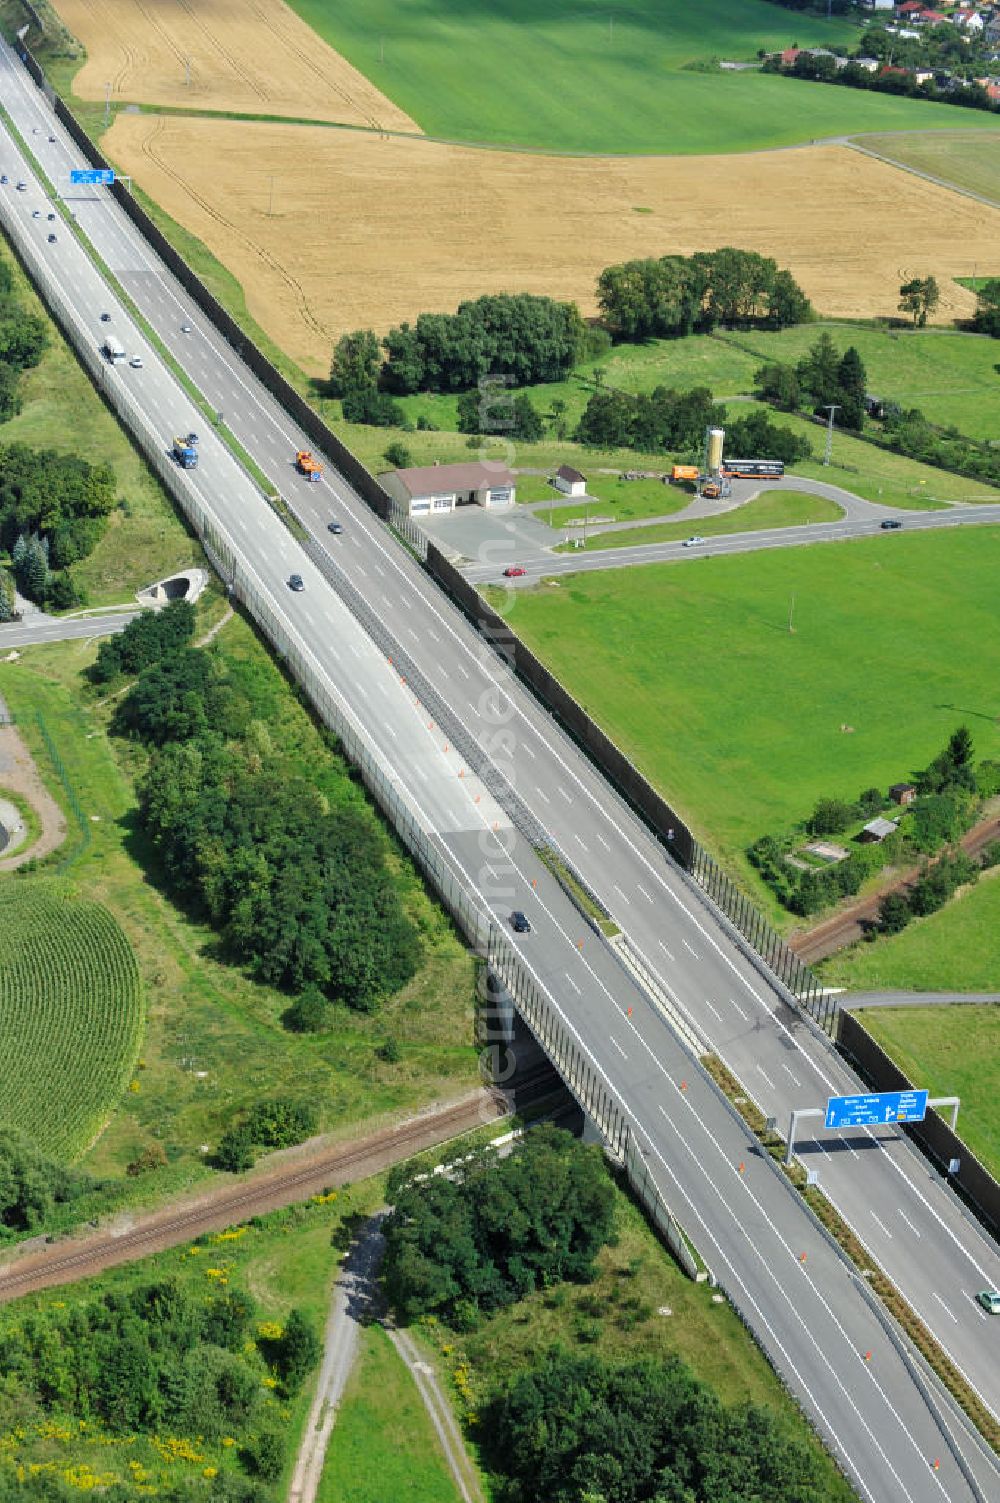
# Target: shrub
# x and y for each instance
(398, 455)
(309, 1013)
(264, 1455)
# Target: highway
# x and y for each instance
(41, 628)
(808, 1312)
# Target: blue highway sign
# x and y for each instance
(91, 175)
(877, 1109)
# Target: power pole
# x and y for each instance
(107, 104)
(831, 408)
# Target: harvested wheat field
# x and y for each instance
(254, 56)
(369, 230)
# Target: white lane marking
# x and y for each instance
(465, 674)
(694, 952)
(618, 1046)
(619, 892)
(944, 1307)
(909, 1223)
(596, 832)
(667, 953)
(976, 1305)
(881, 1224)
(743, 1015)
(644, 892)
(392, 733)
(573, 984)
(714, 1009)
(794, 1078)
(542, 795)
(578, 840)
(524, 745)
(567, 796)
(766, 1079)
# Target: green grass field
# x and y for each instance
(952, 950)
(691, 668)
(71, 1013)
(581, 75)
(964, 158)
(769, 509)
(616, 501)
(383, 1444)
(138, 549)
(952, 378)
(953, 1051)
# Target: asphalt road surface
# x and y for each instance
(40, 628)
(816, 1323)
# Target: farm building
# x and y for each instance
(438, 488)
(876, 830)
(902, 793)
(570, 481)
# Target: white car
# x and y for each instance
(692, 542)
(990, 1300)
(136, 362)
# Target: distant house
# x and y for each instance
(789, 55)
(570, 481)
(876, 830)
(902, 793)
(434, 489)
(931, 18)
(870, 64)
(909, 8)
(969, 20)
(878, 4)
(874, 406)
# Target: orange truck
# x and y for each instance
(711, 490)
(307, 466)
(685, 472)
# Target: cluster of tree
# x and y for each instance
(660, 419)
(278, 1123)
(53, 511)
(578, 1428)
(821, 379)
(520, 336)
(23, 339)
(919, 298)
(909, 432)
(932, 889)
(492, 1230)
(146, 639)
(987, 319)
(31, 1186)
(672, 296)
(949, 789)
(299, 891)
(156, 1356)
(492, 408)
(896, 78)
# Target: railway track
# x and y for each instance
(82, 1257)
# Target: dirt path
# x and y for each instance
(18, 774)
(353, 1297)
(442, 1416)
(848, 926)
(302, 1172)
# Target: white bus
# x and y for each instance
(113, 350)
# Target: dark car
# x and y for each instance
(193, 440)
(519, 922)
(334, 527)
(514, 572)
(52, 138)
(50, 216)
(891, 524)
(52, 239)
(105, 318)
(4, 178)
(296, 582)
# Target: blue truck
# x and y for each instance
(185, 452)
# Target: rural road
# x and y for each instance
(354, 1295)
(301, 1174)
(39, 628)
(857, 1001)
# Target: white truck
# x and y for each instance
(113, 350)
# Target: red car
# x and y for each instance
(514, 572)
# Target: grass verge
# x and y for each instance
(575, 890)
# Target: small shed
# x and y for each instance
(902, 793)
(876, 830)
(570, 481)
